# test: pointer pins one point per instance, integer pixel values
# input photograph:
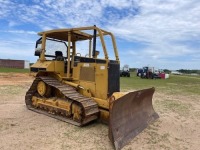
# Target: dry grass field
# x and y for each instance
(176, 100)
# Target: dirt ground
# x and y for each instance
(177, 128)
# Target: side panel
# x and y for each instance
(59, 67)
(54, 66)
(113, 77)
(92, 74)
(44, 66)
(84, 75)
(101, 79)
(87, 74)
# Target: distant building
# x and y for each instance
(9, 63)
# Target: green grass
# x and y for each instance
(175, 84)
(10, 89)
(7, 70)
(183, 109)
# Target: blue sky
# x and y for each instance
(159, 33)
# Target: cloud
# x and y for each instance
(158, 22)
(165, 30)
(66, 12)
(19, 31)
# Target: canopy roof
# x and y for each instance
(77, 34)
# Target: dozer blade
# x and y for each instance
(130, 115)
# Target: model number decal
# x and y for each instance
(86, 65)
(102, 67)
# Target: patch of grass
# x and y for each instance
(162, 146)
(10, 89)
(6, 70)
(4, 126)
(197, 114)
(155, 126)
(175, 106)
(174, 85)
(74, 130)
(87, 134)
(156, 138)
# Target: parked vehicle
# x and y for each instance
(125, 72)
(148, 73)
(139, 72)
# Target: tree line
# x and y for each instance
(184, 71)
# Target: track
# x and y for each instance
(89, 108)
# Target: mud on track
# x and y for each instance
(177, 128)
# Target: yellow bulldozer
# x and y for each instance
(80, 89)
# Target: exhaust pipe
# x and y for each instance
(94, 42)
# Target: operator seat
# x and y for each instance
(59, 56)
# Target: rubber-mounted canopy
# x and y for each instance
(130, 115)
